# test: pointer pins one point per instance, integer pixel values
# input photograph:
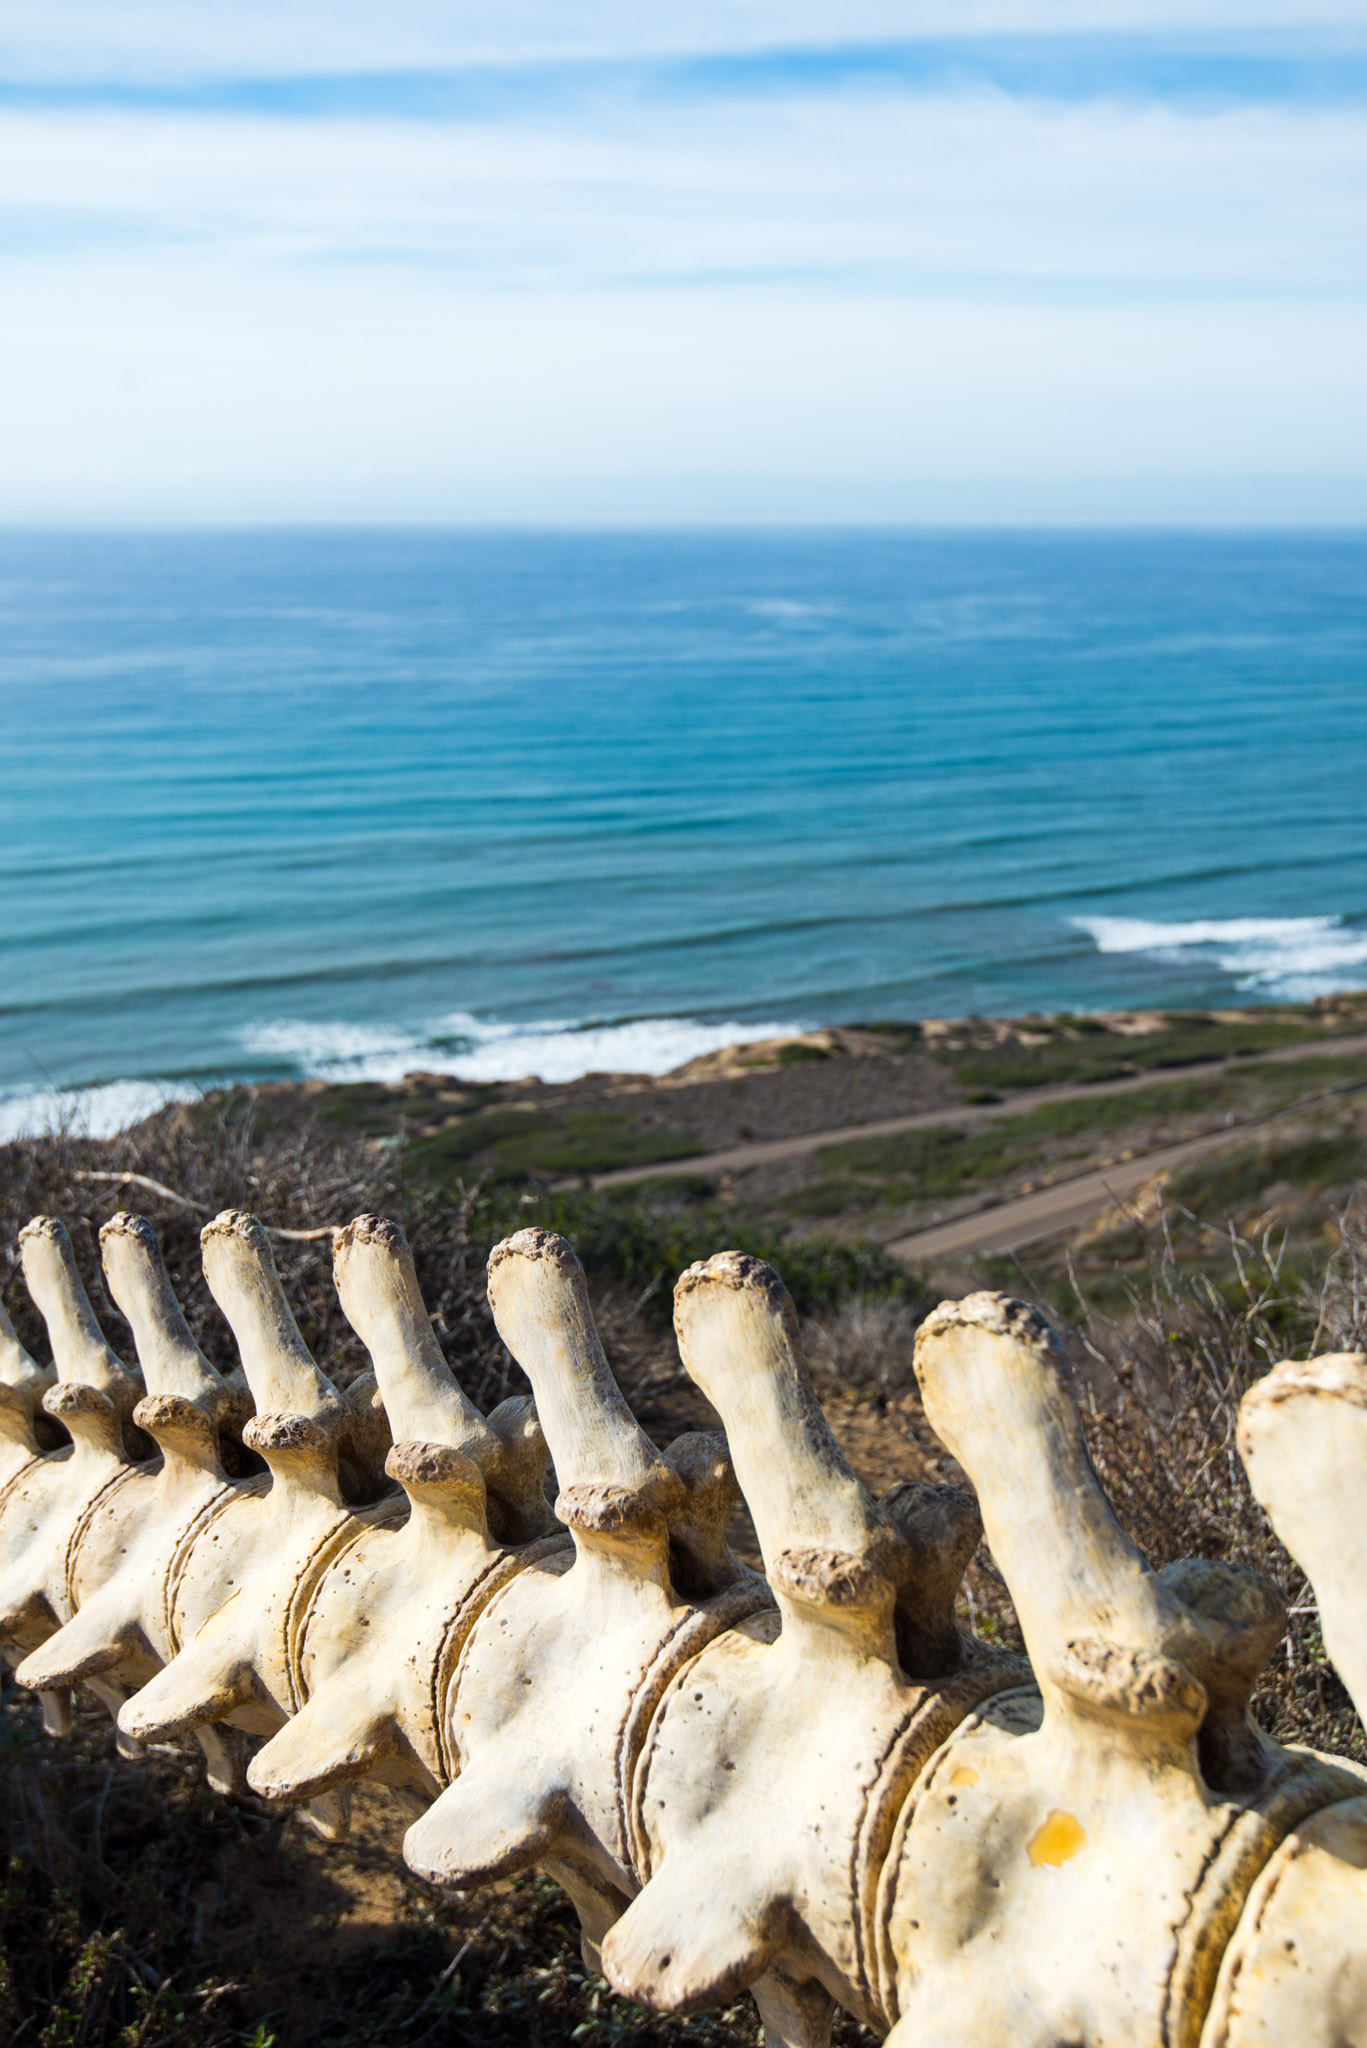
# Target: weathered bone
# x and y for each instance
(843, 1798)
(751, 1864)
(1303, 1436)
(537, 1785)
(1106, 1636)
(23, 1384)
(244, 1585)
(1295, 1972)
(541, 1308)
(393, 1610)
(93, 1389)
(1297, 1967)
(120, 1565)
(240, 1269)
(378, 1289)
(171, 1362)
(80, 1352)
(345, 1430)
(1119, 1865)
(50, 1502)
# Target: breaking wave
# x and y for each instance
(470, 1048)
(1291, 958)
(483, 1049)
(87, 1112)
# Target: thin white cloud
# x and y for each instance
(140, 40)
(805, 304)
(884, 192)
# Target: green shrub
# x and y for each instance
(512, 1143)
(837, 1195)
(938, 1159)
(591, 1141)
(1219, 1188)
(1099, 1054)
(643, 1242)
(363, 1106)
(1037, 1066)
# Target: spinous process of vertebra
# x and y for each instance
(814, 1784)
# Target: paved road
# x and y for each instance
(963, 1116)
(1050, 1211)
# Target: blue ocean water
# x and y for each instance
(352, 802)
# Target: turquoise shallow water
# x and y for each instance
(345, 802)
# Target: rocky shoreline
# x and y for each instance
(777, 1088)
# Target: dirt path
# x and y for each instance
(968, 1116)
(1067, 1205)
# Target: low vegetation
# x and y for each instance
(462, 1131)
(910, 1171)
(512, 1144)
(1086, 1049)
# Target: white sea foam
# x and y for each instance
(87, 1112)
(471, 1048)
(1294, 958)
(485, 1049)
(322, 1051)
(559, 1052)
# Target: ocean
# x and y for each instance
(349, 803)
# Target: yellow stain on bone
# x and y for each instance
(1055, 1840)
(965, 1775)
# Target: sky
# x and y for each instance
(585, 261)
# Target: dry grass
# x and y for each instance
(139, 1910)
(295, 1179)
(1161, 1385)
(864, 1342)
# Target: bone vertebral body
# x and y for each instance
(814, 1784)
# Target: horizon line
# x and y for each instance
(457, 523)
